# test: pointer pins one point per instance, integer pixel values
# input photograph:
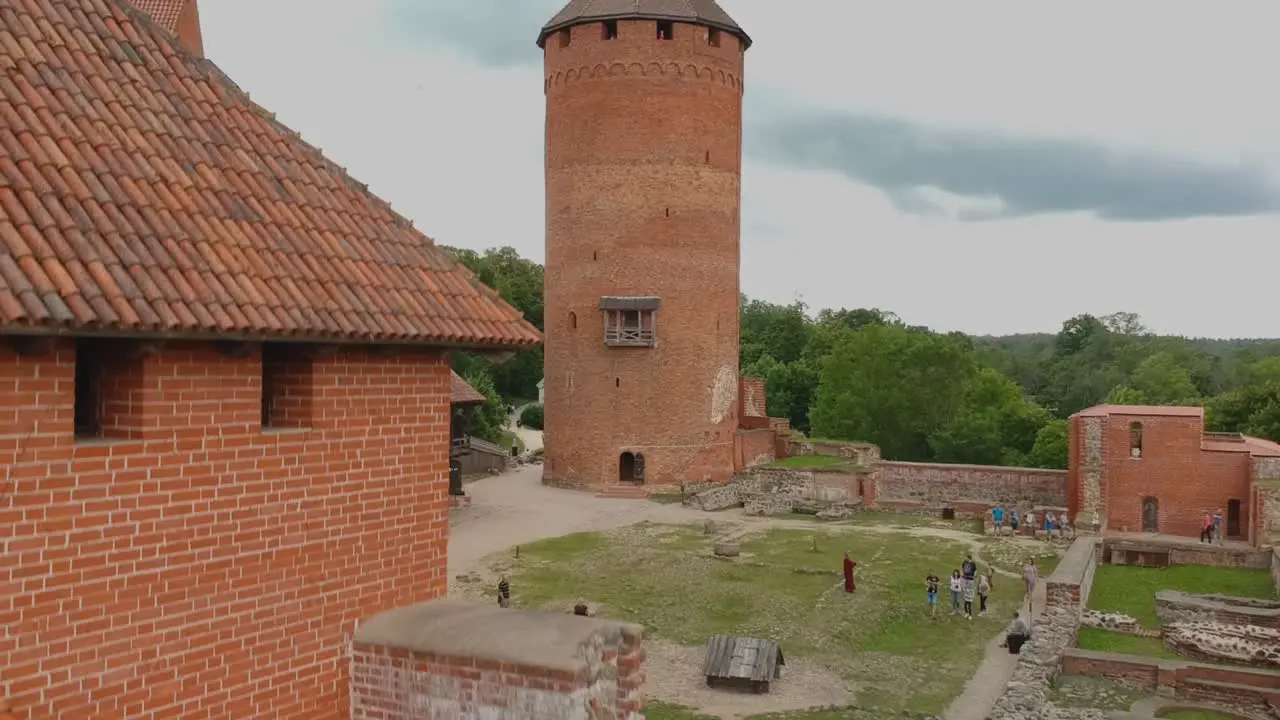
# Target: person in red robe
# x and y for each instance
(850, 567)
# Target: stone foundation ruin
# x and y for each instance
(1216, 642)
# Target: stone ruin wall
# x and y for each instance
(449, 659)
(1053, 635)
(1092, 513)
(968, 489)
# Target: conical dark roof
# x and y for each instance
(697, 12)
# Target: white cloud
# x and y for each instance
(458, 148)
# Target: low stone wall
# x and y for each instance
(1245, 690)
(766, 490)
(1052, 634)
(467, 662)
(1161, 552)
(1115, 622)
(864, 454)
(939, 485)
(1275, 568)
(1071, 581)
(1026, 695)
(1179, 607)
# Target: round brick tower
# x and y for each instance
(643, 186)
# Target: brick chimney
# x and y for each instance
(179, 17)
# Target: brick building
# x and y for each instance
(224, 386)
(1155, 469)
(643, 188)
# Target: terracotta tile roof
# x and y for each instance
(164, 12)
(1148, 410)
(461, 392)
(141, 192)
(699, 12)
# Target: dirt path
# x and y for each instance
(531, 438)
(516, 509)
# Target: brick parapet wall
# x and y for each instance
(208, 567)
(1246, 689)
(468, 662)
(1070, 583)
(937, 485)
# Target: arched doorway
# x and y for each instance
(631, 467)
(1150, 515)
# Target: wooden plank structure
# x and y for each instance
(742, 662)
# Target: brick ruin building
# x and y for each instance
(224, 386)
(643, 188)
(1155, 469)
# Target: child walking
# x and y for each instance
(968, 600)
(984, 591)
(957, 585)
(931, 583)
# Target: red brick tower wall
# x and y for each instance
(643, 169)
(194, 564)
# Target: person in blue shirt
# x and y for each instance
(997, 517)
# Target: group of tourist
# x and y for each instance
(966, 585)
(1211, 528)
(1053, 524)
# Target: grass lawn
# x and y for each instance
(1116, 642)
(666, 711)
(1132, 590)
(880, 639)
(810, 462)
(509, 438)
(1195, 715)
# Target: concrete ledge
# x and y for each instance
(553, 641)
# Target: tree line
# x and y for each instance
(924, 396)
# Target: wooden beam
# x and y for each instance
(33, 345)
(236, 349)
(146, 349)
(319, 351)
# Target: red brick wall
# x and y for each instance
(206, 568)
(1186, 480)
(753, 447)
(937, 485)
(395, 684)
(189, 27)
(1244, 687)
(643, 169)
(754, 412)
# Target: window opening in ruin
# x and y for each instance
(630, 328)
(1150, 515)
(666, 30)
(595, 255)
(667, 212)
(609, 29)
(1135, 440)
(565, 38)
(713, 37)
(88, 391)
(617, 382)
(573, 320)
(631, 468)
(708, 157)
(1233, 518)
(286, 387)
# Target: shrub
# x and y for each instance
(531, 417)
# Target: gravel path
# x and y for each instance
(531, 438)
(516, 509)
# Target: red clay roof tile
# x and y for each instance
(1148, 410)
(164, 12)
(141, 192)
(462, 393)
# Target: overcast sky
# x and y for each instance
(984, 166)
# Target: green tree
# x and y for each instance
(531, 416)
(1051, 449)
(1162, 380)
(487, 419)
(520, 282)
(995, 425)
(893, 386)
